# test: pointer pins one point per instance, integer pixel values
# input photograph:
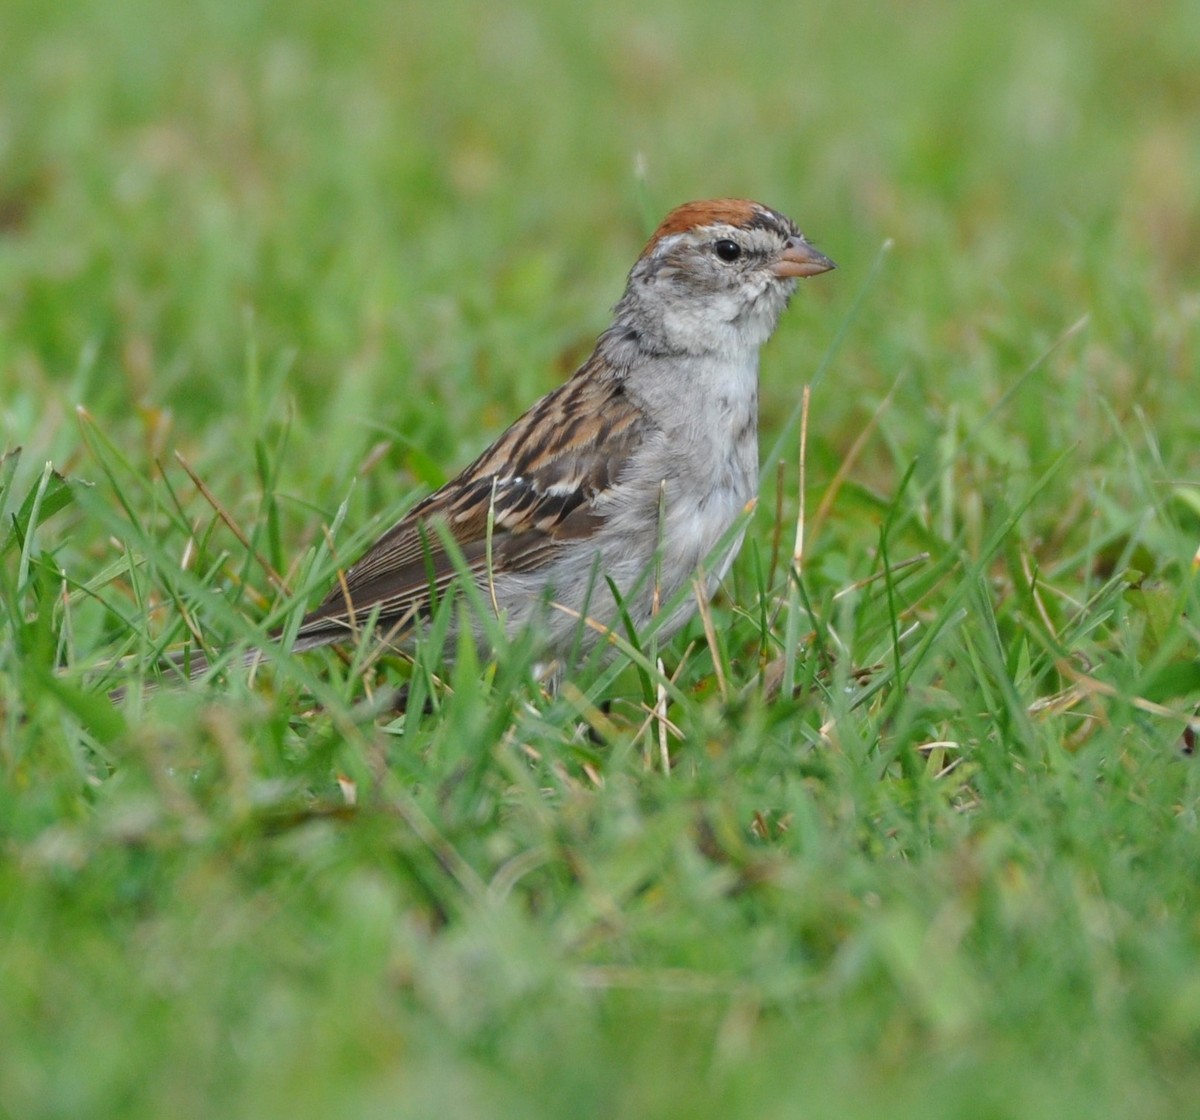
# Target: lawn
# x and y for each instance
(908, 830)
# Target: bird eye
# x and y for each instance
(727, 250)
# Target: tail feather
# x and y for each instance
(183, 668)
(315, 631)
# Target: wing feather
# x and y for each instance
(539, 485)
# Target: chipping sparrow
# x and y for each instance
(628, 475)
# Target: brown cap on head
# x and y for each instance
(739, 212)
(799, 258)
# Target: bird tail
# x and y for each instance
(182, 668)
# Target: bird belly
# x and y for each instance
(654, 541)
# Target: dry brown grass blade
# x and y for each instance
(798, 547)
(851, 457)
(233, 526)
(710, 634)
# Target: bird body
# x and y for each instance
(627, 476)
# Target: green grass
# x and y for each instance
(928, 843)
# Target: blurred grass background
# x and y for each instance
(325, 252)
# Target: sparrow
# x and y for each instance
(612, 492)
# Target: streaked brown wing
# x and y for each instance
(540, 481)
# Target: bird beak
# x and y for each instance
(801, 259)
